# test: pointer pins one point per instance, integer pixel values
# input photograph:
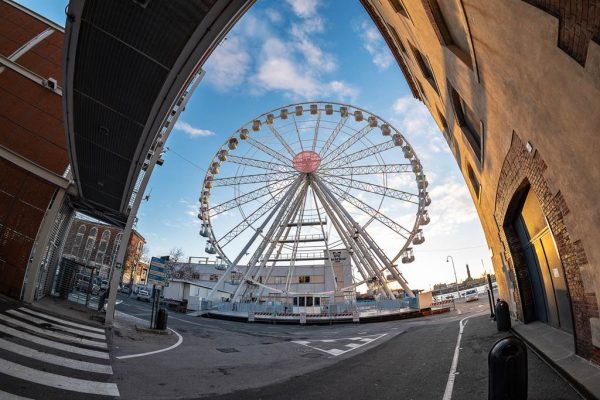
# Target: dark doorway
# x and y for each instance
(551, 299)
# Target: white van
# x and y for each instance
(471, 295)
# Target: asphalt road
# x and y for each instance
(408, 359)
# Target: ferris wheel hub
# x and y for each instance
(307, 161)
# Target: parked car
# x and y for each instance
(104, 284)
(471, 295)
(143, 294)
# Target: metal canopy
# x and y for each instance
(127, 63)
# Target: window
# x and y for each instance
(473, 180)
(89, 244)
(425, 67)
(317, 301)
(295, 301)
(444, 126)
(78, 240)
(102, 247)
(468, 121)
(309, 301)
(304, 279)
(397, 39)
(447, 19)
(301, 301)
(399, 7)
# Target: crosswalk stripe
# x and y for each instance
(57, 326)
(54, 359)
(10, 396)
(56, 335)
(54, 345)
(57, 381)
(61, 321)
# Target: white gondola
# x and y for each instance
(314, 109)
(208, 182)
(408, 256)
(358, 116)
(256, 125)
(270, 119)
(210, 249)
(299, 111)
(408, 151)
(419, 238)
(386, 130)
(283, 114)
(244, 134)
(424, 218)
(222, 155)
(422, 181)
(426, 199)
(416, 166)
(373, 121)
(204, 199)
(344, 112)
(233, 142)
(398, 141)
(204, 231)
(214, 168)
(328, 109)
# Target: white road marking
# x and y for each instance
(57, 326)
(52, 344)
(61, 321)
(54, 359)
(57, 381)
(179, 341)
(337, 352)
(453, 373)
(53, 334)
(10, 396)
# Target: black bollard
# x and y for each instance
(507, 366)
(502, 316)
(161, 320)
(492, 315)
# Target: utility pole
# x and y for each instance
(455, 278)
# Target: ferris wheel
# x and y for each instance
(297, 182)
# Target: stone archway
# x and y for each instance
(523, 170)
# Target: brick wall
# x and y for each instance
(523, 169)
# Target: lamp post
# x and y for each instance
(455, 278)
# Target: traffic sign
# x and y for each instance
(159, 272)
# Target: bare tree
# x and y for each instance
(176, 254)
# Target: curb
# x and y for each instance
(154, 331)
(578, 386)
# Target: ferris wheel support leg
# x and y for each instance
(284, 211)
(356, 246)
(326, 244)
(227, 272)
(376, 249)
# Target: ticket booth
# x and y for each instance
(308, 304)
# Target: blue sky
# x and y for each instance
(282, 52)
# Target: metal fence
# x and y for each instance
(78, 284)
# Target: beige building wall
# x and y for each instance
(530, 76)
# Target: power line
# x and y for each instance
(457, 249)
(185, 159)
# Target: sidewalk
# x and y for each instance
(557, 348)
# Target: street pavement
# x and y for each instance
(48, 358)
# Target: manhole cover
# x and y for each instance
(228, 350)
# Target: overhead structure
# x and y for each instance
(127, 67)
(296, 184)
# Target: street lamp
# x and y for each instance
(455, 278)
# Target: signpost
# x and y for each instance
(159, 274)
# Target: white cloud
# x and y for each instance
(191, 131)
(451, 206)
(304, 8)
(274, 15)
(375, 46)
(228, 66)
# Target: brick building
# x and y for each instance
(33, 153)
(95, 244)
(515, 89)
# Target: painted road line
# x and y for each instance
(57, 326)
(54, 359)
(336, 352)
(57, 381)
(179, 341)
(52, 344)
(61, 321)
(10, 396)
(67, 338)
(452, 374)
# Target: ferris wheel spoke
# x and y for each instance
(359, 155)
(247, 197)
(371, 188)
(298, 133)
(255, 178)
(367, 169)
(399, 229)
(338, 151)
(314, 144)
(266, 149)
(252, 162)
(333, 135)
(251, 218)
(281, 140)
